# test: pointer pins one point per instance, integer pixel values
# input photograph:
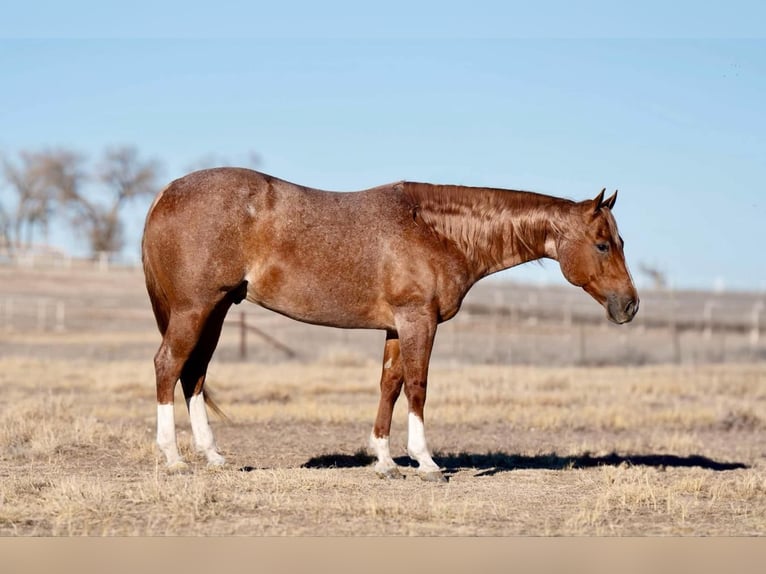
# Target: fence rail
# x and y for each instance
(499, 322)
(245, 328)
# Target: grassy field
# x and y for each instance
(626, 449)
(528, 450)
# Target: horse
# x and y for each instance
(399, 258)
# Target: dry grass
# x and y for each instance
(537, 451)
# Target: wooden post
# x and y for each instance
(454, 343)
(42, 308)
(60, 316)
(581, 344)
(675, 338)
(103, 261)
(755, 329)
(494, 334)
(532, 306)
(675, 335)
(568, 314)
(707, 314)
(242, 336)
(9, 314)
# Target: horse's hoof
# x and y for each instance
(216, 462)
(390, 473)
(178, 467)
(433, 476)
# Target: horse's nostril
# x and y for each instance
(631, 308)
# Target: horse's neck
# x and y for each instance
(494, 228)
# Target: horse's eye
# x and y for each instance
(602, 247)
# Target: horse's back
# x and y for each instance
(318, 256)
(246, 193)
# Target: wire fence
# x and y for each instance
(100, 310)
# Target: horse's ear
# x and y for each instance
(610, 201)
(598, 201)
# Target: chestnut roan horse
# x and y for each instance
(399, 257)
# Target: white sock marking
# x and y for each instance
(166, 433)
(203, 434)
(416, 444)
(380, 447)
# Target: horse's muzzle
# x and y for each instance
(621, 309)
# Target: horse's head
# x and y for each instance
(590, 252)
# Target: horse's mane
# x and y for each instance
(485, 222)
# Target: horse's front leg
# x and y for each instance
(416, 329)
(391, 381)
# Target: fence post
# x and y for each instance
(495, 327)
(707, 314)
(532, 305)
(42, 308)
(242, 336)
(103, 261)
(60, 316)
(755, 330)
(456, 341)
(675, 337)
(8, 314)
(568, 314)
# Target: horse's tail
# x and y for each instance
(213, 406)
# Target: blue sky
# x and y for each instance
(676, 123)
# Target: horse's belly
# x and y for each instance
(334, 301)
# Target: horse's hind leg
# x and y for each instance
(193, 381)
(178, 342)
(390, 386)
(187, 346)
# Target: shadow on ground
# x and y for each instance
(493, 463)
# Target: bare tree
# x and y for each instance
(62, 174)
(34, 198)
(123, 176)
(126, 176)
(5, 230)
